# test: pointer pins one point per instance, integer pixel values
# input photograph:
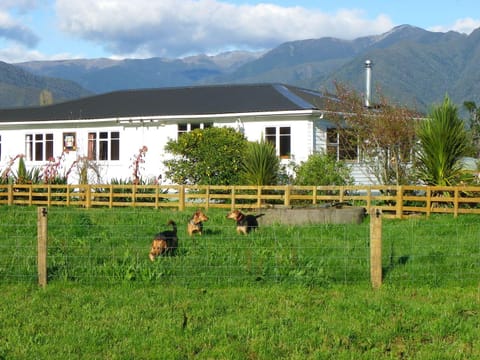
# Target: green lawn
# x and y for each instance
(68, 320)
(289, 292)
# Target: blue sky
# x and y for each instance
(65, 29)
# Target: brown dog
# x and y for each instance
(195, 225)
(245, 223)
(165, 242)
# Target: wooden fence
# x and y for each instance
(393, 201)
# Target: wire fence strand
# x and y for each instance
(109, 246)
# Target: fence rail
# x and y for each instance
(395, 201)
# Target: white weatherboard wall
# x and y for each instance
(308, 135)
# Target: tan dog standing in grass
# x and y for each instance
(195, 224)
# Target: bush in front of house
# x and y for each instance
(323, 169)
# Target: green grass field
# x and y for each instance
(289, 292)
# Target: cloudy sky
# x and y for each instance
(63, 29)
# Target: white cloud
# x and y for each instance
(175, 28)
(18, 53)
(13, 30)
(464, 25)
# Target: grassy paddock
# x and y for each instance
(109, 246)
(129, 321)
(290, 292)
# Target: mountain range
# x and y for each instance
(411, 66)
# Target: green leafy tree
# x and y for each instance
(260, 165)
(211, 156)
(443, 141)
(323, 169)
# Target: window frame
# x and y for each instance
(183, 128)
(281, 138)
(335, 144)
(103, 145)
(39, 147)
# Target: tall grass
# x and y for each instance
(109, 246)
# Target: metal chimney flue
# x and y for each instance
(368, 83)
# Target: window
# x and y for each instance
(104, 145)
(342, 145)
(38, 147)
(183, 128)
(280, 138)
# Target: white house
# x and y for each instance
(109, 129)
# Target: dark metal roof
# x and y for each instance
(198, 100)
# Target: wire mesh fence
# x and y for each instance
(109, 246)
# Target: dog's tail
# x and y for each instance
(258, 215)
(174, 225)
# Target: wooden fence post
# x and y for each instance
(88, 197)
(207, 200)
(399, 203)
(232, 202)
(10, 194)
(181, 197)
(287, 190)
(455, 201)
(376, 248)
(42, 234)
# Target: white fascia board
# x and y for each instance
(231, 117)
(57, 124)
(158, 120)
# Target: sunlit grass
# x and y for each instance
(68, 320)
(109, 246)
(286, 292)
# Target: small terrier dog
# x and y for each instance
(195, 225)
(165, 242)
(245, 223)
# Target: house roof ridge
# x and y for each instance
(173, 101)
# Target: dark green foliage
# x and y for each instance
(260, 164)
(24, 176)
(443, 142)
(209, 156)
(322, 169)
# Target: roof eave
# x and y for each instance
(160, 119)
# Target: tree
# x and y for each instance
(384, 135)
(46, 97)
(474, 125)
(260, 165)
(87, 171)
(443, 141)
(211, 156)
(323, 169)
